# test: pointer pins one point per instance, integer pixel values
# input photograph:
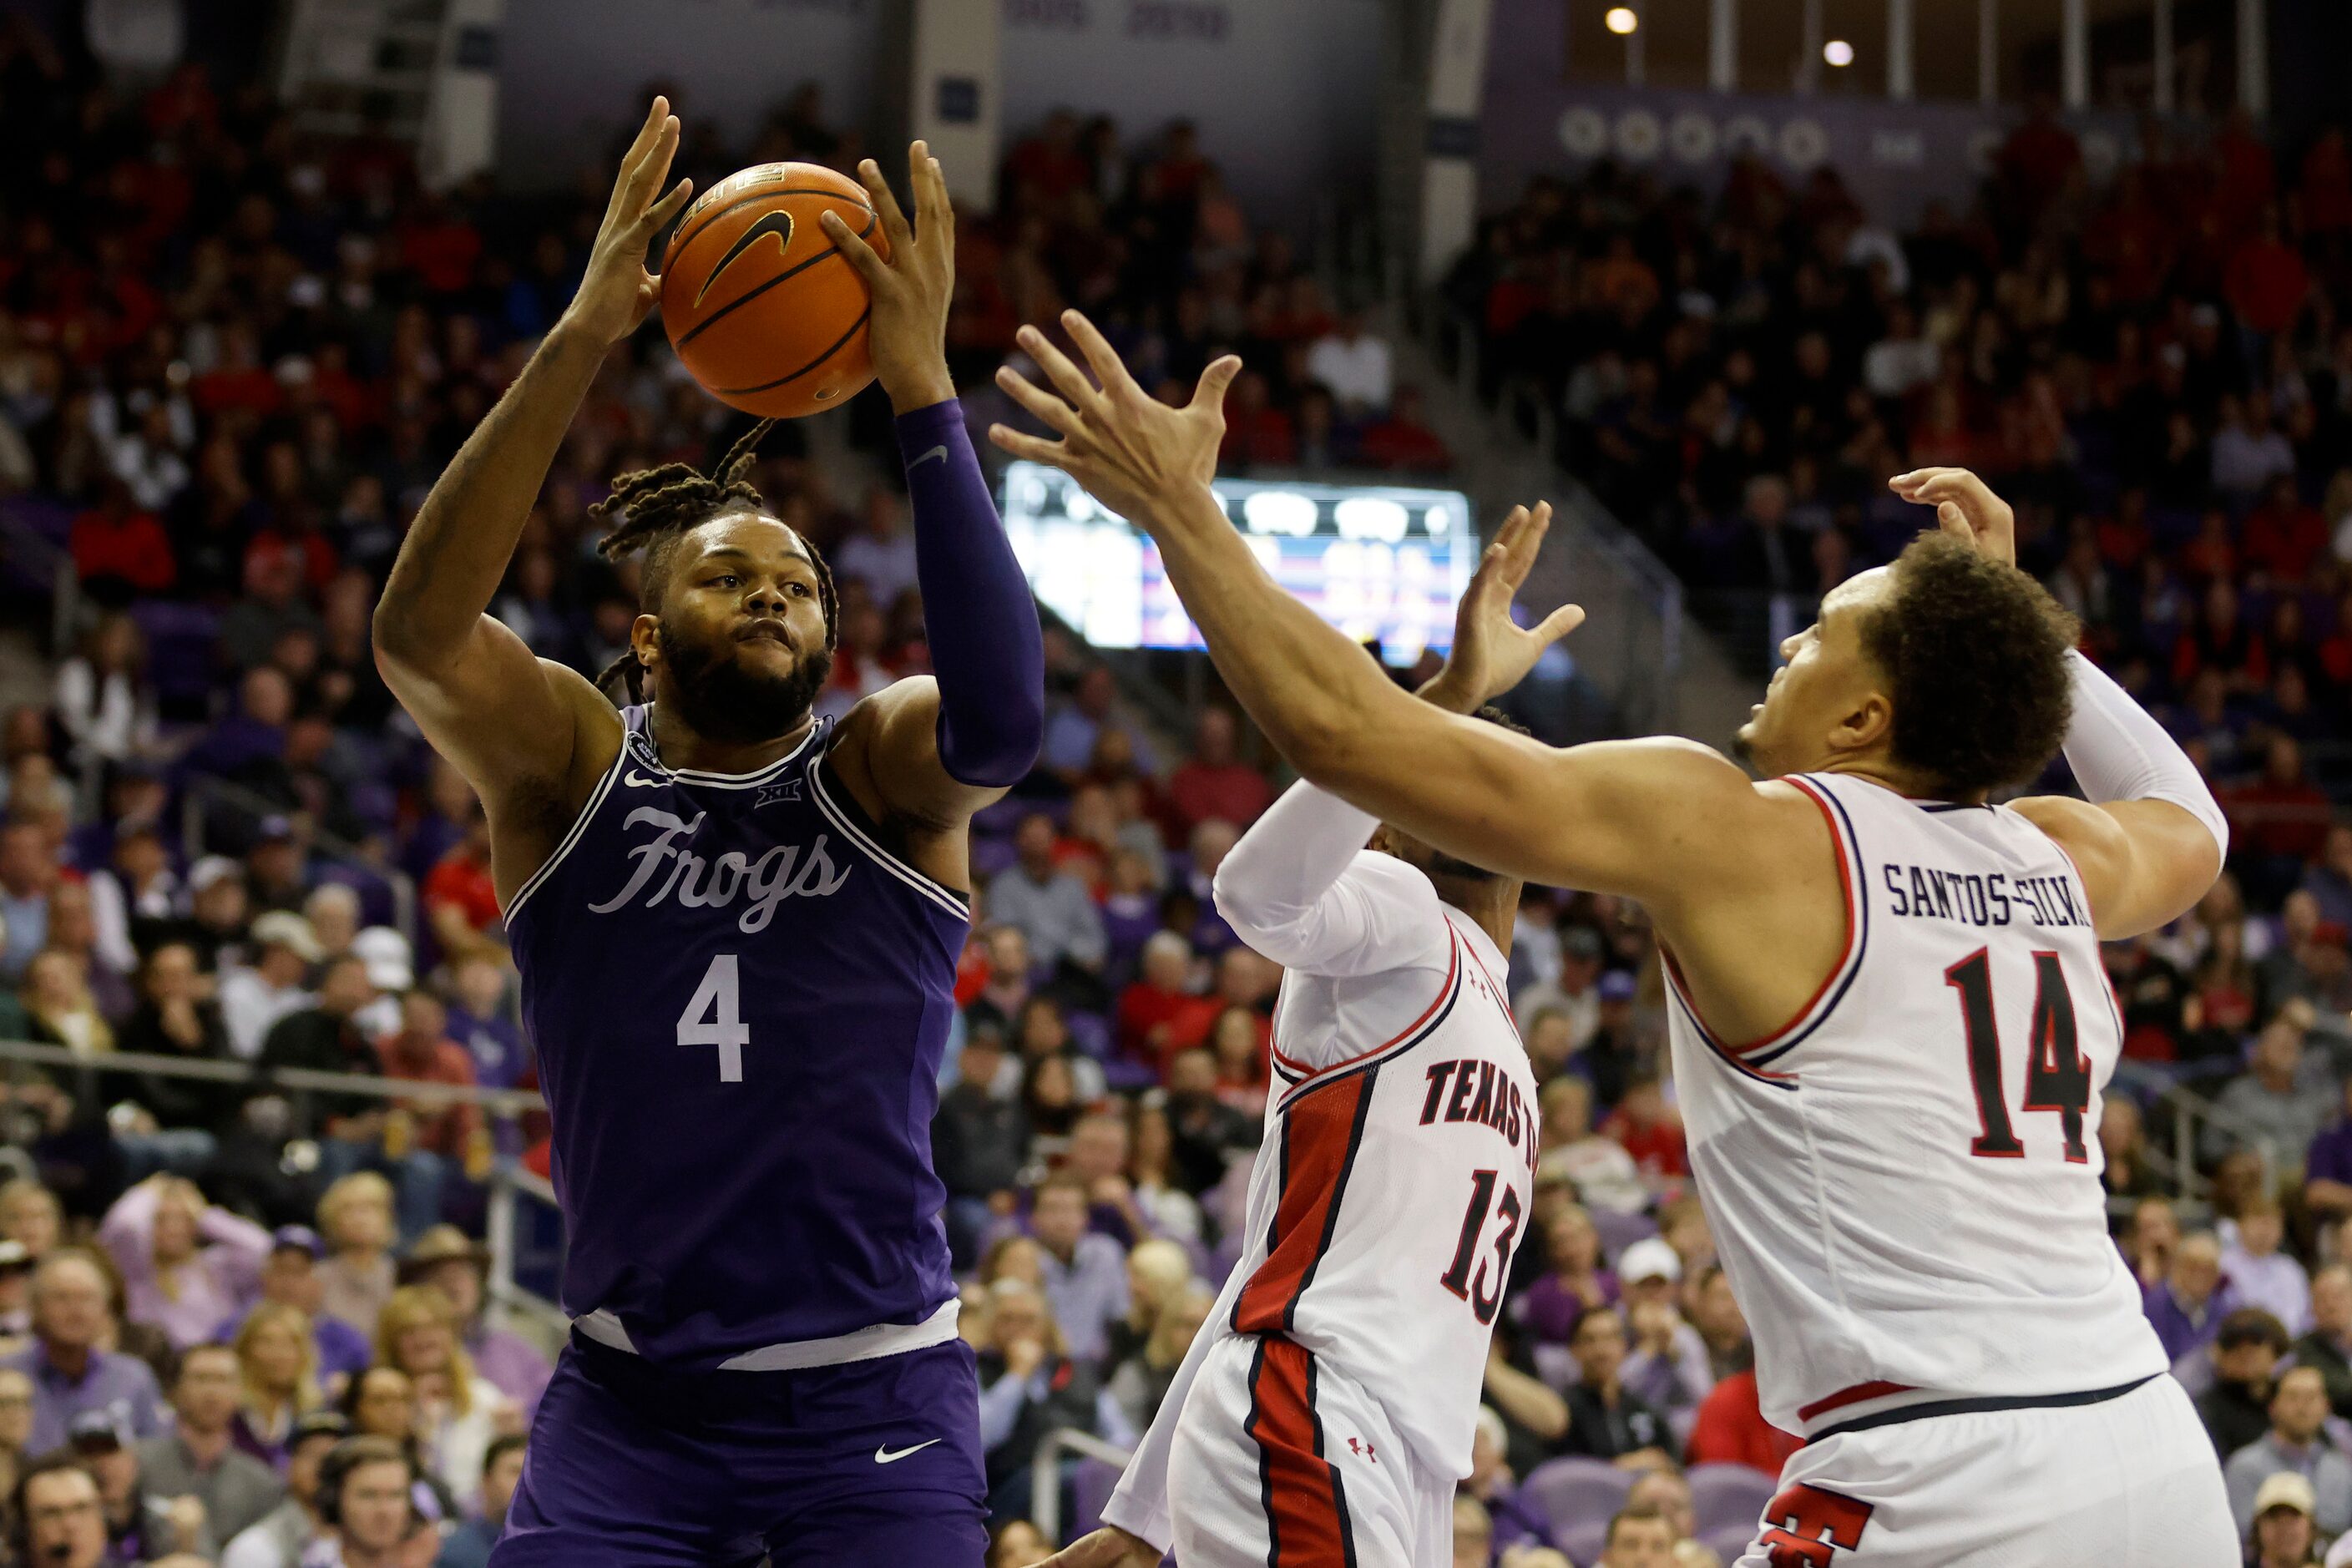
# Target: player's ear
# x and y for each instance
(1867, 726)
(644, 640)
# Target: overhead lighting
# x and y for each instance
(1621, 19)
(1838, 52)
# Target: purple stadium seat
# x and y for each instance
(1728, 1496)
(180, 641)
(1620, 1231)
(1090, 1032)
(1090, 1488)
(1729, 1542)
(998, 819)
(1575, 1489)
(1585, 1540)
(989, 856)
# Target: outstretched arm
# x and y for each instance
(938, 750)
(2150, 839)
(505, 718)
(1300, 888)
(1646, 818)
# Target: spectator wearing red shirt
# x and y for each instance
(2040, 157)
(1647, 1131)
(422, 1052)
(1213, 785)
(239, 382)
(115, 542)
(1158, 1008)
(1730, 1429)
(1257, 432)
(2282, 536)
(2282, 813)
(1048, 165)
(440, 248)
(2221, 641)
(2324, 191)
(461, 903)
(1401, 440)
(2267, 282)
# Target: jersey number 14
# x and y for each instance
(2057, 1074)
(715, 1017)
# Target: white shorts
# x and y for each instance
(2128, 1480)
(1278, 1460)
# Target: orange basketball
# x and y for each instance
(762, 308)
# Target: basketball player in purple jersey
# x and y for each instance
(737, 926)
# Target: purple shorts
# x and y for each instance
(871, 1462)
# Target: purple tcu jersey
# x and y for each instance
(738, 999)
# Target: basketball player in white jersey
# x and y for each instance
(1326, 1409)
(1891, 1024)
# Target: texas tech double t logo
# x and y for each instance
(1805, 1526)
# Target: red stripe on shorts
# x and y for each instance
(1306, 1509)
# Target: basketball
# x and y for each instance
(767, 316)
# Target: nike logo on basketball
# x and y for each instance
(938, 452)
(884, 1457)
(777, 224)
(636, 781)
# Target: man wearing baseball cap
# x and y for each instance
(2284, 1530)
(254, 996)
(290, 1276)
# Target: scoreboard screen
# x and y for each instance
(1376, 560)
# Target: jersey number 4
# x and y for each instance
(715, 1017)
(2057, 1074)
(1457, 1276)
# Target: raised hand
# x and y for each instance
(1492, 653)
(1965, 508)
(1110, 1547)
(912, 290)
(616, 292)
(1129, 450)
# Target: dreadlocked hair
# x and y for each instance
(656, 506)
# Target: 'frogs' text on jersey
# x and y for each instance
(1904, 1181)
(738, 997)
(1394, 1182)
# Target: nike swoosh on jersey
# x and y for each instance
(637, 781)
(938, 452)
(884, 1457)
(777, 224)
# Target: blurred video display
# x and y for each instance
(1382, 562)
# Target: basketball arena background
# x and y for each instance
(1702, 272)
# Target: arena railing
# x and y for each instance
(520, 1200)
(202, 792)
(34, 554)
(1046, 1474)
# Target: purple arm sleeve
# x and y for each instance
(986, 650)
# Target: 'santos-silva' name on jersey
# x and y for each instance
(1988, 899)
(664, 865)
(1472, 1089)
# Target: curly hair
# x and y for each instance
(659, 506)
(1975, 654)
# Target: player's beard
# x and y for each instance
(720, 697)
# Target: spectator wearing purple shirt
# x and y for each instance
(290, 1276)
(186, 1266)
(72, 1376)
(456, 1267)
(1085, 1271)
(2187, 1306)
(2327, 1166)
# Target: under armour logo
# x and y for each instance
(770, 793)
(1358, 1446)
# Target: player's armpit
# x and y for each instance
(2145, 863)
(1655, 819)
(889, 748)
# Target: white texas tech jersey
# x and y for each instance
(1392, 1188)
(1904, 1181)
